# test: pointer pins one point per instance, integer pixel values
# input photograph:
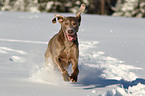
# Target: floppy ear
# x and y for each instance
(78, 14)
(59, 18)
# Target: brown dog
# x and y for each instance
(63, 47)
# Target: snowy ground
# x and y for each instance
(111, 59)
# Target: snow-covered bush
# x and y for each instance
(19, 5)
(130, 8)
(42, 5)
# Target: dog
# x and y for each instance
(63, 47)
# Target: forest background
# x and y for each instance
(127, 8)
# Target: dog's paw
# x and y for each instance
(73, 78)
(65, 76)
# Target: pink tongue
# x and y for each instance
(70, 38)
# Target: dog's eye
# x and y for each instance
(74, 23)
(66, 23)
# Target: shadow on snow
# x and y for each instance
(101, 82)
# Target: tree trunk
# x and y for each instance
(102, 7)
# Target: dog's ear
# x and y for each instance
(78, 14)
(59, 18)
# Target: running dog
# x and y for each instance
(63, 47)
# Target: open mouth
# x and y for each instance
(71, 37)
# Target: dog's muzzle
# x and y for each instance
(71, 35)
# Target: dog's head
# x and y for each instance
(70, 25)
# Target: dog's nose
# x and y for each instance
(70, 31)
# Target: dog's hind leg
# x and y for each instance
(47, 56)
(46, 61)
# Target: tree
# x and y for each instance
(103, 7)
(130, 8)
(5, 5)
(19, 5)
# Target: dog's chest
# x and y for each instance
(66, 53)
(68, 49)
(65, 57)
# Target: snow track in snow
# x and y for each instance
(95, 69)
(17, 59)
(23, 41)
(7, 50)
(89, 59)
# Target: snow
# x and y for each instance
(111, 60)
(138, 90)
(13, 50)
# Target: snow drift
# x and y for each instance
(104, 68)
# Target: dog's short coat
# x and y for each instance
(63, 47)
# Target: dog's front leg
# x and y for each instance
(62, 69)
(75, 70)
